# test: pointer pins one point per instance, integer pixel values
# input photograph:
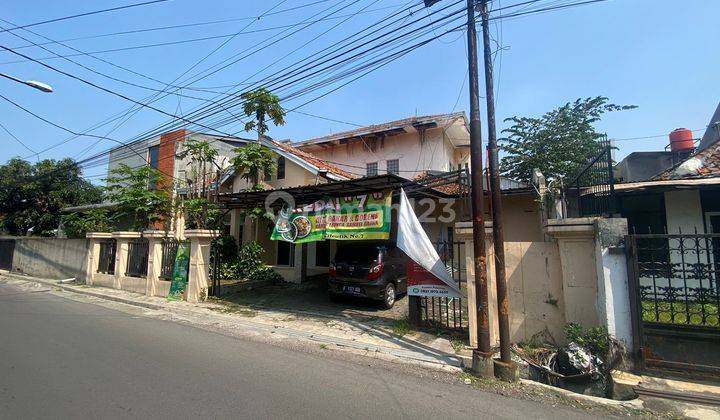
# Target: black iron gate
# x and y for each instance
(675, 298)
(448, 313)
(7, 250)
(591, 192)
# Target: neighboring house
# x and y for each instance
(406, 147)
(683, 198)
(673, 191)
(163, 152)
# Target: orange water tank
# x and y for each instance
(681, 139)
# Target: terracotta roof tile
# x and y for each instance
(313, 160)
(705, 164)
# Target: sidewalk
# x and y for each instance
(339, 331)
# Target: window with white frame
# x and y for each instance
(372, 169)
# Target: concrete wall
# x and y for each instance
(534, 277)
(578, 275)
(51, 258)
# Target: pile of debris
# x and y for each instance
(572, 367)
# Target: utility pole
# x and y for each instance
(482, 356)
(506, 368)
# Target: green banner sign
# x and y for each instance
(180, 272)
(359, 217)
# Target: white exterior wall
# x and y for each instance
(683, 210)
(415, 153)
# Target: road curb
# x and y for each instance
(54, 283)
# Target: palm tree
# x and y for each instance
(261, 104)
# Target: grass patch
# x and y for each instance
(677, 313)
(401, 327)
(457, 344)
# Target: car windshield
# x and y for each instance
(357, 254)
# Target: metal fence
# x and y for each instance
(137, 262)
(169, 252)
(106, 259)
(675, 297)
(7, 251)
(678, 278)
(591, 192)
(448, 313)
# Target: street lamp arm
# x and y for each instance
(44, 87)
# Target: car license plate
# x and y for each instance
(351, 289)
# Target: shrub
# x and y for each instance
(250, 258)
(227, 249)
(76, 225)
(596, 339)
(265, 273)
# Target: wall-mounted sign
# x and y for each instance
(350, 218)
(424, 283)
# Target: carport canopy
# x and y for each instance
(307, 194)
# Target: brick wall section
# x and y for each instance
(166, 155)
(166, 161)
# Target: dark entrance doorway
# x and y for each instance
(675, 297)
(7, 250)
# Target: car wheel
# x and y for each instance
(389, 296)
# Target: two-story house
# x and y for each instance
(408, 147)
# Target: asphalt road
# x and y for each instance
(60, 358)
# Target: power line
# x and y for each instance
(195, 24)
(652, 137)
(15, 138)
(128, 6)
(165, 44)
(132, 110)
(292, 77)
(326, 118)
(195, 113)
(97, 58)
(379, 64)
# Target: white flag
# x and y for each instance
(413, 240)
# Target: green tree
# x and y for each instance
(261, 104)
(76, 225)
(130, 189)
(32, 195)
(558, 143)
(252, 160)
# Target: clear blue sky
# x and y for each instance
(660, 55)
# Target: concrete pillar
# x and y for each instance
(93, 254)
(199, 274)
(155, 242)
(613, 287)
(122, 240)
